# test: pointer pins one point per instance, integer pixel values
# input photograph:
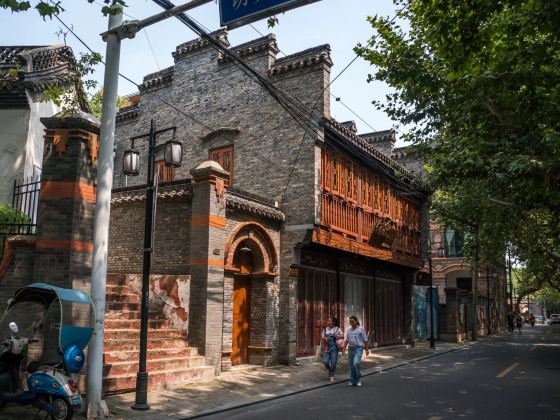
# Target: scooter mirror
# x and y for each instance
(13, 326)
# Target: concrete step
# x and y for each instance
(163, 364)
(122, 315)
(117, 279)
(167, 333)
(153, 343)
(114, 288)
(113, 324)
(160, 379)
(119, 297)
(115, 356)
(122, 307)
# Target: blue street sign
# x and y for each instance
(235, 13)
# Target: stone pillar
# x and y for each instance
(67, 201)
(450, 321)
(207, 261)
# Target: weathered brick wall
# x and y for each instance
(236, 111)
(16, 267)
(171, 232)
(219, 94)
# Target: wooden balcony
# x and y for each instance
(347, 226)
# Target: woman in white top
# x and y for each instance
(331, 338)
(356, 341)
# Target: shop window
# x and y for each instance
(224, 156)
(165, 173)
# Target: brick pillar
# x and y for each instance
(207, 261)
(67, 201)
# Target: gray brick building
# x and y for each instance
(270, 255)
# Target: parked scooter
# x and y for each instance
(51, 387)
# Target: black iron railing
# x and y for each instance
(21, 218)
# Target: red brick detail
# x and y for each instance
(79, 246)
(9, 244)
(68, 189)
(209, 220)
(207, 261)
(258, 234)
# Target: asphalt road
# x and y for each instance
(508, 377)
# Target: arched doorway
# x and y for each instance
(249, 256)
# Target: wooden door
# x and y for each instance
(241, 318)
(388, 312)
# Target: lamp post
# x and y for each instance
(173, 155)
(440, 254)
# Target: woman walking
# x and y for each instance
(332, 337)
(356, 341)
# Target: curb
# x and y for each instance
(369, 372)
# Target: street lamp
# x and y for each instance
(173, 155)
(440, 254)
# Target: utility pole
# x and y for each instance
(510, 281)
(117, 30)
(97, 409)
(475, 284)
(488, 299)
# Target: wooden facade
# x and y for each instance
(359, 205)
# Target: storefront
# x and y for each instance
(332, 283)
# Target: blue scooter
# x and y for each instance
(52, 386)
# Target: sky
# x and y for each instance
(340, 23)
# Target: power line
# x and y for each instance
(321, 94)
(190, 117)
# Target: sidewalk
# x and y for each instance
(250, 385)
(242, 387)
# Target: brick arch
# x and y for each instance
(452, 268)
(254, 236)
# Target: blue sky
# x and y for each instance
(340, 23)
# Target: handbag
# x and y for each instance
(340, 343)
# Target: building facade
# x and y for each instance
(453, 277)
(347, 234)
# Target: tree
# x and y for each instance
(96, 101)
(478, 83)
(50, 8)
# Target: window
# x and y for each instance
(224, 156)
(454, 241)
(165, 173)
(464, 283)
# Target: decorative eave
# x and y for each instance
(346, 134)
(39, 69)
(183, 50)
(127, 113)
(265, 43)
(174, 189)
(306, 58)
(378, 136)
(232, 131)
(158, 79)
(240, 201)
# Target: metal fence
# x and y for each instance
(21, 219)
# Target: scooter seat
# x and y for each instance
(33, 367)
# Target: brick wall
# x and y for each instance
(171, 232)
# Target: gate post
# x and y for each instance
(208, 225)
(67, 201)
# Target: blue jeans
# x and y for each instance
(330, 357)
(354, 359)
